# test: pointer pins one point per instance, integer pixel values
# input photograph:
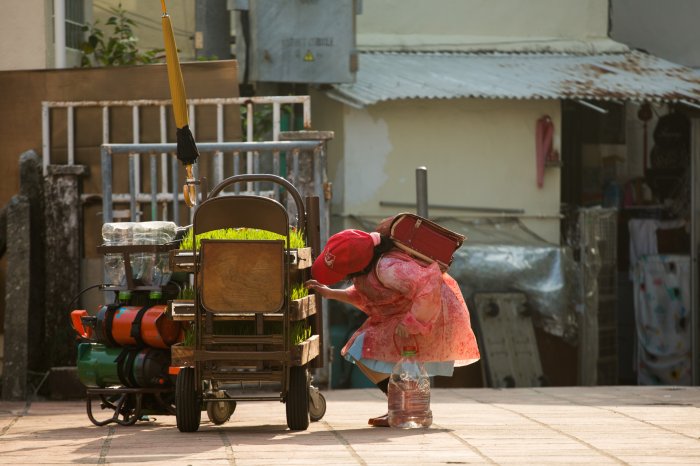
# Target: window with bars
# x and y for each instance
(75, 19)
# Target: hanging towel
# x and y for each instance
(543, 146)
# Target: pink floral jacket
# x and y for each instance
(428, 302)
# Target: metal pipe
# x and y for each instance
(106, 164)
(218, 174)
(422, 191)
(132, 187)
(694, 249)
(237, 169)
(105, 125)
(261, 146)
(154, 186)
(249, 138)
(136, 136)
(59, 33)
(300, 99)
(591, 106)
(491, 210)
(45, 136)
(276, 137)
(163, 157)
(70, 134)
(175, 189)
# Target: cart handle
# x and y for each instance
(301, 210)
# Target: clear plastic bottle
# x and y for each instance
(152, 269)
(409, 393)
(116, 234)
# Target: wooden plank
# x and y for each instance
(181, 355)
(302, 308)
(181, 309)
(242, 276)
(202, 355)
(304, 352)
(303, 258)
(181, 261)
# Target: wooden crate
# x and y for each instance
(181, 355)
(302, 308)
(305, 351)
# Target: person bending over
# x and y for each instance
(404, 298)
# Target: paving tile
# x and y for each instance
(542, 426)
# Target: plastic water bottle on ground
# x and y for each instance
(409, 393)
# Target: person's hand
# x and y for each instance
(401, 330)
(317, 287)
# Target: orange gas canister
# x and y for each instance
(116, 325)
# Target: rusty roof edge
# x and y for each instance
(633, 76)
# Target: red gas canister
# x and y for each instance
(116, 325)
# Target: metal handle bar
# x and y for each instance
(301, 210)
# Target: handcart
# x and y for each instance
(247, 284)
(124, 351)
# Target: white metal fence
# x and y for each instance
(163, 164)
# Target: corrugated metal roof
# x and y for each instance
(631, 76)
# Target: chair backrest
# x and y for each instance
(241, 275)
(242, 211)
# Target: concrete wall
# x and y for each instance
(667, 29)
(479, 153)
(441, 23)
(24, 39)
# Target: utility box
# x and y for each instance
(296, 41)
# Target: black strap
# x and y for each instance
(107, 323)
(136, 326)
(119, 361)
(129, 366)
(125, 366)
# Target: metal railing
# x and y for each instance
(250, 104)
(313, 148)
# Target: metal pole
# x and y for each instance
(422, 191)
(45, 136)
(59, 33)
(106, 159)
(694, 242)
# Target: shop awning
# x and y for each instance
(630, 76)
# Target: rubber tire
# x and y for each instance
(297, 403)
(217, 415)
(188, 410)
(316, 413)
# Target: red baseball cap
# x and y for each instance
(346, 252)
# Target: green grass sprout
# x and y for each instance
(296, 237)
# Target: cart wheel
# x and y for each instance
(220, 411)
(298, 399)
(317, 404)
(187, 407)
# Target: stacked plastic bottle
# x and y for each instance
(152, 268)
(149, 269)
(116, 234)
(409, 393)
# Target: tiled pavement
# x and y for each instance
(554, 425)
